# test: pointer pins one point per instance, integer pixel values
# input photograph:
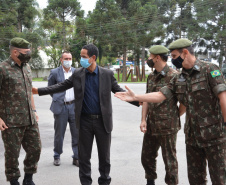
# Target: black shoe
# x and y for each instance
(56, 162)
(150, 182)
(75, 162)
(28, 179)
(28, 182)
(14, 182)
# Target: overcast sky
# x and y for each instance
(87, 5)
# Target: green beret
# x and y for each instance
(180, 43)
(158, 49)
(20, 43)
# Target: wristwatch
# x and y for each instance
(34, 110)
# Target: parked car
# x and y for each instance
(110, 67)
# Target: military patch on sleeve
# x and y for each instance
(215, 73)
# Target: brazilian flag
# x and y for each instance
(215, 73)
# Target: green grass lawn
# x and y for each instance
(37, 79)
(129, 79)
(116, 76)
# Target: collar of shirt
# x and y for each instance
(70, 70)
(196, 67)
(95, 71)
(13, 63)
(163, 72)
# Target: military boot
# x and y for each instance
(150, 182)
(14, 182)
(28, 179)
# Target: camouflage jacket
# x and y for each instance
(198, 90)
(163, 118)
(15, 94)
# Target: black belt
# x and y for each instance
(92, 116)
(69, 102)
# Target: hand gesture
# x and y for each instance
(143, 126)
(34, 90)
(2, 125)
(126, 96)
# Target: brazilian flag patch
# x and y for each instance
(215, 73)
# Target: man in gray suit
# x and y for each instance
(63, 106)
(93, 111)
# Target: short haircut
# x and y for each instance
(11, 48)
(65, 52)
(164, 57)
(91, 50)
(189, 48)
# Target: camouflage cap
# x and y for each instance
(20, 43)
(180, 43)
(158, 49)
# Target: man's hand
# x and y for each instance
(126, 96)
(34, 90)
(36, 115)
(2, 125)
(143, 126)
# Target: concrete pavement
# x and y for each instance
(126, 146)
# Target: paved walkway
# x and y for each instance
(126, 146)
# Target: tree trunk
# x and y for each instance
(64, 34)
(138, 59)
(100, 54)
(124, 73)
(19, 24)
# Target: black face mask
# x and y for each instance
(150, 63)
(24, 58)
(177, 62)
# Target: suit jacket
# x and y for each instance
(107, 84)
(57, 76)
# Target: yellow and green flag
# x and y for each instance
(215, 73)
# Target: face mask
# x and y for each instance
(67, 63)
(24, 58)
(85, 62)
(150, 62)
(177, 62)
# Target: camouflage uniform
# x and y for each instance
(205, 135)
(16, 112)
(162, 128)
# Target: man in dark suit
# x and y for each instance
(63, 109)
(93, 111)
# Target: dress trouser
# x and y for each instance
(196, 162)
(151, 145)
(88, 129)
(67, 115)
(29, 138)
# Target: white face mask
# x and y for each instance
(67, 63)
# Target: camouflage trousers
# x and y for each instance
(196, 161)
(29, 138)
(151, 145)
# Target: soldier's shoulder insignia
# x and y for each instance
(215, 73)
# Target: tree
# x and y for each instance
(53, 52)
(62, 9)
(123, 25)
(211, 16)
(16, 19)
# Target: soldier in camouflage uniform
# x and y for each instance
(162, 125)
(18, 118)
(201, 88)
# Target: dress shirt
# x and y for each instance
(91, 101)
(69, 96)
